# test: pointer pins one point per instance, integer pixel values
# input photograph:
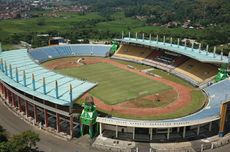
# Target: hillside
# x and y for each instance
(206, 21)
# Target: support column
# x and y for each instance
(168, 133)
(192, 46)
(185, 44)
(58, 122)
(13, 99)
(198, 130)
(100, 128)
(184, 132)
(10, 97)
(151, 134)
(5, 93)
(1, 91)
(0, 88)
(133, 133)
(214, 52)
(91, 131)
(222, 119)
(46, 118)
(26, 108)
(178, 129)
(178, 42)
(35, 114)
(150, 38)
(81, 129)
(71, 126)
(19, 104)
(116, 131)
(210, 126)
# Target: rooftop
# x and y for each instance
(194, 53)
(18, 68)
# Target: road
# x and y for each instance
(48, 143)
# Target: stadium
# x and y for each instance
(136, 89)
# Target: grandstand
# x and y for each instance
(197, 70)
(194, 65)
(46, 53)
(133, 52)
(43, 95)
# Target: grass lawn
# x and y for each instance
(115, 85)
(135, 65)
(171, 77)
(198, 101)
(63, 23)
(159, 72)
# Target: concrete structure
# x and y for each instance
(45, 96)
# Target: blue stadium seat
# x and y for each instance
(45, 53)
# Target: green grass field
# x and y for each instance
(159, 72)
(115, 85)
(198, 101)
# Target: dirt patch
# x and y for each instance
(129, 108)
(70, 62)
(151, 101)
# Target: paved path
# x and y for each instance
(225, 148)
(48, 143)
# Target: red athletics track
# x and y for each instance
(184, 93)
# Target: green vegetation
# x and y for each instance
(23, 142)
(198, 101)
(115, 85)
(97, 25)
(3, 135)
(199, 11)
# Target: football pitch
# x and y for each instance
(115, 85)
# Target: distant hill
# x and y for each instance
(198, 11)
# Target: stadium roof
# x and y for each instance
(19, 59)
(200, 55)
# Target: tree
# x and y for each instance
(23, 142)
(26, 141)
(3, 136)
